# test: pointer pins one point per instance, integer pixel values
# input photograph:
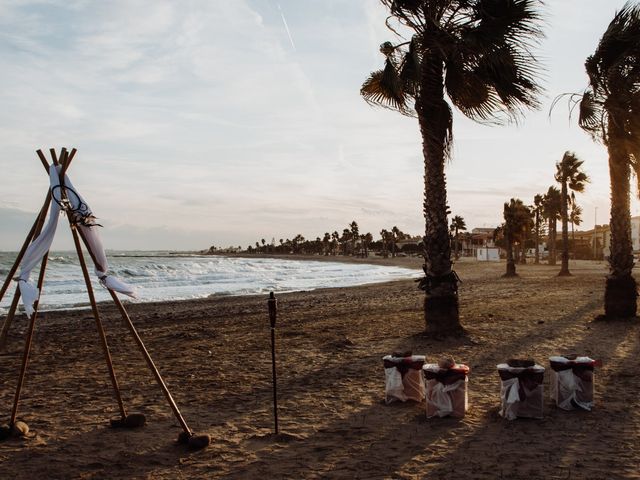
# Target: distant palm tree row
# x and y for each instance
(521, 221)
(350, 242)
(478, 55)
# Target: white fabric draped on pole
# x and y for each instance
(41, 245)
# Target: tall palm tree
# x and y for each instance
(517, 220)
(386, 235)
(355, 235)
(538, 202)
(570, 175)
(609, 112)
(457, 225)
(478, 54)
(552, 207)
(396, 234)
(325, 242)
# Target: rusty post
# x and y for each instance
(273, 312)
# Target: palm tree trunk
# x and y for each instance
(537, 260)
(553, 227)
(620, 290)
(441, 286)
(511, 264)
(564, 213)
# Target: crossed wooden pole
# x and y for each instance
(125, 420)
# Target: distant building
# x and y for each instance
(598, 239)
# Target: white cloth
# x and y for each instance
(41, 245)
(510, 398)
(394, 388)
(439, 397)
(567, 388)
(407, 387)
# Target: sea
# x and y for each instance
(160, 276)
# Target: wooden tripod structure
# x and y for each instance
(125, 420)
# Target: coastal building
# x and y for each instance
(598, 239)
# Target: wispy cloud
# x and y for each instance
(196, 117)
(286, 27)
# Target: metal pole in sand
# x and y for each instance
(273, 312)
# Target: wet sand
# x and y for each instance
(215, 356)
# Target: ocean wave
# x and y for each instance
(165, 277)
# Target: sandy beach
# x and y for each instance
(215, 356)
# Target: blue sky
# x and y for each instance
(223, 122)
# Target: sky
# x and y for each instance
(218, 122)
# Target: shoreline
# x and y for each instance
(405, 262)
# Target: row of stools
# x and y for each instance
(443, 385)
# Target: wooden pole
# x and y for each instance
(96, 316)
(273, 311)
(43, 267)
(143, 350)
(27, 346)
(33, 233)
(9, 320)
(87, 280)
(150, 364)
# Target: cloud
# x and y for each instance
(196, 120)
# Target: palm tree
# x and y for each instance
(457, 224)
(609, 112)
(552, 208)
(517, 220)
(335, 239)
(384, 233)
(538, 202)
(571, 177)
(478, 54)
(355, 235)
(366, 240)
(575, 217)
(395, 235)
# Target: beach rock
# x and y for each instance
(198, 442)
(184, 437)
(135, 420)
(5, 432)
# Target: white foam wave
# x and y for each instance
(172, 277)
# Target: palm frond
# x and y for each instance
(410, 69)
(383, 88)
(592, 115)
(496, 22)
(470, 93)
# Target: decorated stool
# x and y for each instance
(572, 382)
(403, 377)
(446, 392)
(521, 389)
